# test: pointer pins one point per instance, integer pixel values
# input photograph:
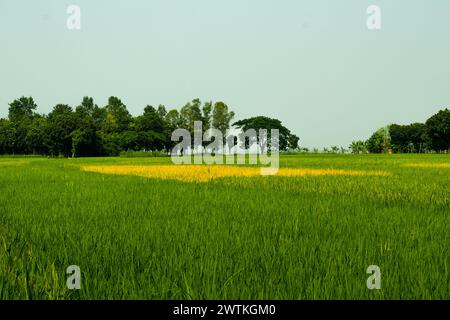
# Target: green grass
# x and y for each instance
(143, 154)
(252, 238)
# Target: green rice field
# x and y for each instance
(296, 237)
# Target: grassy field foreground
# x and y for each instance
(287, 237)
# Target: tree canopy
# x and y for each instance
(433, 135)
(90, 130)
(287, 140)
(438, 130)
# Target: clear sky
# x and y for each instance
(311, 63)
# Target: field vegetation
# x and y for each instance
(239, 236)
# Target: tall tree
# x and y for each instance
(190, 113)
(267, 123)
(85, 140)
(380, 141)
(293, 142)
(408, 138)
(221, 117)
(61, 125)
(37, 135)
(7, 137)
(438, 128)
(117, 116)
(173, 120)
(151, 126)
(21, 113)
(22, 109)
(206, 115)
(358, 147)
(151, 120)
(87, 107)
(162, 112)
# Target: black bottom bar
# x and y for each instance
(222, 309)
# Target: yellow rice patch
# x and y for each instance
(198, 173)
(13, 163)
(438, 165)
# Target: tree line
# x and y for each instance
(431, 136)
(89, 130)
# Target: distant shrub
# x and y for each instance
(143, 154)
(290, 152)
(20, 156)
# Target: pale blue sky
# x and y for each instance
(311, 63)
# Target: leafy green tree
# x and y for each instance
(173, 120)
(131, 140)
(77, 138)
(37, 135)
(151, 120)
(334, 149)
(408, 138)
(61, 123)
(162, 112)
(19, 129)
(111, 143)
(7, 136)
(20, 114)
(22, 109)
(117, 116)
(112, 121)
(190, 113)
(358, 147)
(438, 129)
(150, 127)
(206, 115)
(380, 141)
(87, 107)
(267, 123)
(293, 142)
(221, 117)
(85, 138)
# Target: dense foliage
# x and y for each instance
(287, 140)
(431, 136)
(90, 130)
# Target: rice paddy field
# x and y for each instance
(142, 228)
